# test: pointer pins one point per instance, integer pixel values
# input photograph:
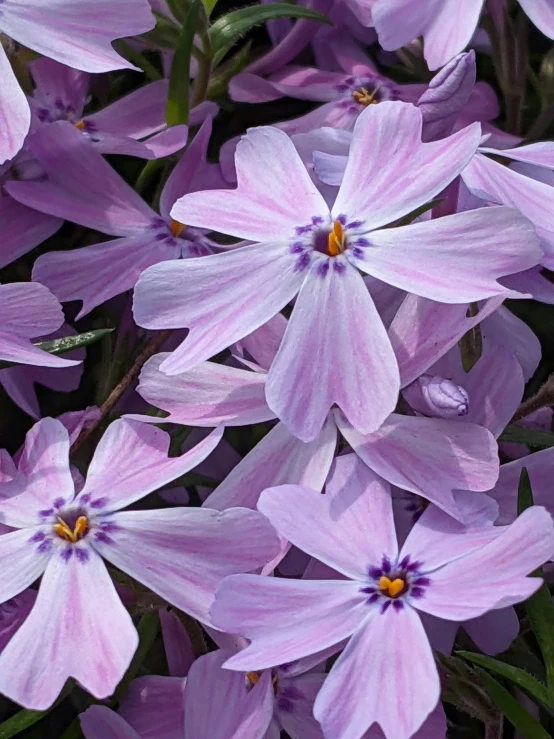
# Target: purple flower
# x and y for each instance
(82, 187)
(78, 626)
(426, 456)
(57, 31)
(306, 249)
(386, 673)
(28, 311)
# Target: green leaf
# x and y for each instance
(231, 67)
(539, 606)
(209, 5)
(177, 105)
(140, 61)
(148, 628)
(471, 343)
(165, 34)
(178, 9)
(66, 344)
(524, 494)
(227, 30)
(406, 220)
(522, 435)
(515, 674)
(527, 725)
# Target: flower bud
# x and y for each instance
(437, 397)
(447, 94)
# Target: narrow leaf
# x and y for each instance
(177, 105)
(178, 9)
(66, 344)
(521, 435)
(209, 5)
(228, 29)
(524, 494)
(471, 343)
(24, 719)
(515, 674)
(406, 220)
(527, 725)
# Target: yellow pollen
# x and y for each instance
(335, 240)
(253, 677)
(175, 227)
(79, 530)
(80, 125)
(363, 97)
(391, 587)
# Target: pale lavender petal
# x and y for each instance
(346, 355)
(26, 562)
(286, 619)
(16, 349)
(99, 272)
(183, 554)
(294, 705)
(154, 707)
(496, 183)
(428, 456)
(218, 704)
(81, 36)
(29, 310)
(277, 459)
(378, 679)
(131, 461)
(351, 526)
(81, 186)
(423, 330)
(208, 395)
(137, 115)
(166, 142)
(78, 607)
(503, 328)
(457, 594)
(15, 115)
(218, 316)
(274, 194)
(44, 475)
(541, 13)
(390, 172)
(434, 727)
(479, 246)
(540, 153)
(99, 722)
(22, 229)
(55, 81)
(262, 345)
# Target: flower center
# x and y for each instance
(365, 98)
(392, 588)
(253, 677)
(176, 228)
(80, 125)
(335, 240)
(75, 534)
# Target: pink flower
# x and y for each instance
(308, 250)
(78, 626)
(386, 673)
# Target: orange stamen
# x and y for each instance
(80, 125)
(391, 587)
(363, 97)
(335, 240)
(253, 677)
(64, 532)
(175, 227)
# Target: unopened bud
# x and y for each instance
(437, 397)
(447, 94)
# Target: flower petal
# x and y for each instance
(16, 349)
(22, 229)
(386, 674)
(479, 246)
(78, 628)
(137, 115)
(99, 722)
(15, 116)
(493, 576)
(541, 13)
(390, 172)
(81, 186)
(277, 459)
(44, 475)
(428, 456)
(493, 632)
(153, 707)
(131, 461)
(346, 356)
(29, 309)
(81, 36)
(286, 619)
(24, 562)
(207, 395)
(351, 526)
(98, 272)
(274, 196)
(218, 304)
(183, 554)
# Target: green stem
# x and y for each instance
(202, 80)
